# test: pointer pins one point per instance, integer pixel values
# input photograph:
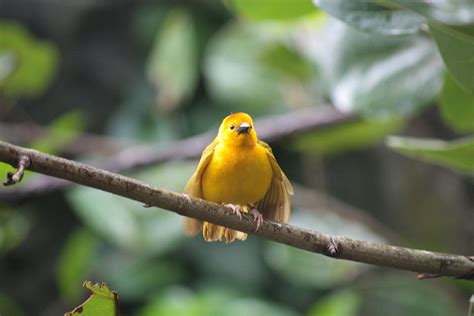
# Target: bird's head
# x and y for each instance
(238, 129)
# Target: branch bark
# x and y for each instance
(420, 261)
(270, 129)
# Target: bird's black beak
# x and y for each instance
(243, 128)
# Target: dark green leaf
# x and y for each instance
(369, 16)
(457, 105)
(173, 61)
(456, 45)
(272, 9)
(456, 154)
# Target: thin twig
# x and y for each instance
(270, 129)
(15, 177)
(420, 261)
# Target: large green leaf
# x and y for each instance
(370, 16)
(256, 68)
(27, 65)
(456, 154)
(173, 62)
(375, 75)
(127, 223)
(456, 45)
(457, 105)
(271, 9)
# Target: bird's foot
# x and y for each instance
(257, 217)
(236, 209)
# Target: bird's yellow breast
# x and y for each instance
(237, 174)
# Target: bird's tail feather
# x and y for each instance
(213, 232)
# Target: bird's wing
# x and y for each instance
(276, 204)
(194, 187)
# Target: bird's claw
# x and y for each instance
(257, 217)
(236, 209)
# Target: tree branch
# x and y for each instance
(270, 129)
(419, 261)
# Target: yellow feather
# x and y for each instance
(238, 168)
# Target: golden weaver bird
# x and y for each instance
(239, 170)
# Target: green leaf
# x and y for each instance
(348, 136)
(457, 154)
(307, 269)
(369, 16)
(173, 62)
(342, 303)
(102, 302)
(127, 223)
(457, 105)
(378, 76)
(256, 69)
(271, 9)
(456, 45)
(27, 65)
(75, 262)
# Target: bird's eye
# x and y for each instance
(232, 126)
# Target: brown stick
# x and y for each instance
(420, 261)
(269, 129)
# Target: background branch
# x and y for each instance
(270, 128)
(420, 261)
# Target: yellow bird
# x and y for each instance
(239, 170)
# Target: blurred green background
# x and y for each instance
(88, 79)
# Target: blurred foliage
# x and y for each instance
(26, 65)
(175, 69)
(271, 9)
(455, 154)
(373, 17)
(102, 302)
(8, 307)
(346, 137)
(127, 223)
(14, 226)
(173, 61)
(456, 45)
(307, 269)
(457, 105)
